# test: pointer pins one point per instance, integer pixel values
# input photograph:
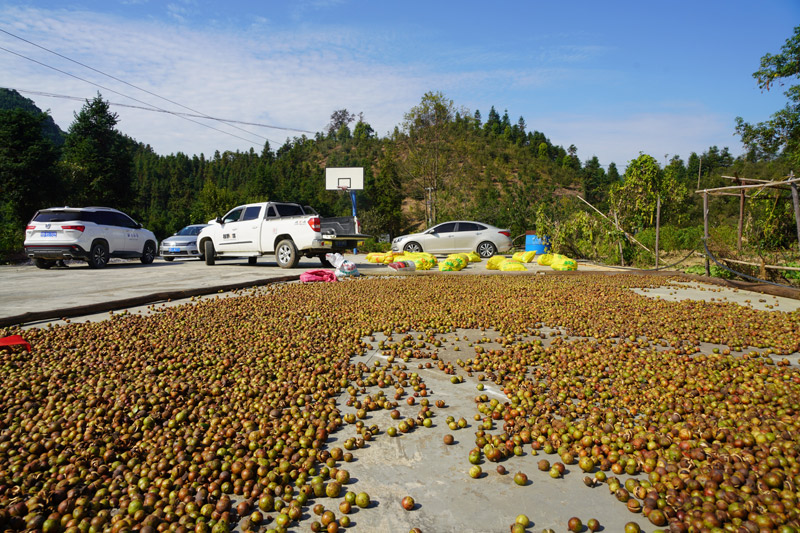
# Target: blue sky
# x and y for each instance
(613, 78)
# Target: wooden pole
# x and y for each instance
(769, 184)
(699, 169)
(619, 242)
(796, 202)
(705, 230)
(616, 224)
(741, 219)
(658, 225)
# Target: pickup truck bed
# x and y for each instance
(342, 231)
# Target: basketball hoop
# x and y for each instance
(343, 188)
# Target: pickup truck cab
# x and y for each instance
(286, 230)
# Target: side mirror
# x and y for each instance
(219, 220)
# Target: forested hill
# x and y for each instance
(441, 163)
(11, 99)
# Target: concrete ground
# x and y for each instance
(421, 465)
(26, 289)
(417, 463)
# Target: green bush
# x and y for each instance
(716, 272)
(371, 245)
(11, 240)
(792, 274)
(672, 238)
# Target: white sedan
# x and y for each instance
(456, 237)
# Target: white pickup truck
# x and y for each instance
(287, 230)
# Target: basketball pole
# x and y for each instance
(353, 201)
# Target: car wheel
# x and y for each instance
(98, 255)
(43, 263)
(286, 254)
(324, 261)
(486, 249)
(412, 248)
(208, 248)
(149, 253)
(169, 258)
(252, 260)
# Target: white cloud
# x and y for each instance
(620, 138)
(288, 80)
(297, 78)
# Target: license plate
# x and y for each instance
(47, 233)
(174, 250)
(327, 243)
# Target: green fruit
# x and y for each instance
(51, 526)
(475, 471)
(134, 506)
(523, 520)
(266, 503)
(632, 527)
(282, 520)
(332, 489)
(362, 500)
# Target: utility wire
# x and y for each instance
(200, 113)
(155, 109)
(117, 92)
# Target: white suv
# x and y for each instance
(94, 234)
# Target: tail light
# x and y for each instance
(314, 223)
(506, 233)
(75, 228)
(28, 228)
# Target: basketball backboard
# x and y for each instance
(344, 178)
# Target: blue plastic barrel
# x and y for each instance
(535, 243)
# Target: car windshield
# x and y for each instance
(190, 230)
(61, 216)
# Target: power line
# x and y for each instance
(155, 109)
(120, 80)
(184, 116)
(119, 93)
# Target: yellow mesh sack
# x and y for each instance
(563, 263)
(448, 266)
(494, 262)
(391, 257)
(545, 259)
(422, 264)
(458, 261)
(512, 265)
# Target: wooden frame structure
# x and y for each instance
(744, 185)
